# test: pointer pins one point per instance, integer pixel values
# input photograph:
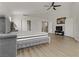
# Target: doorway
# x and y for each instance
(28, 25)
(44, 26)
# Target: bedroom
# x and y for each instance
(30, 18)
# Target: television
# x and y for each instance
(58, 28)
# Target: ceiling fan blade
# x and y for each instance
(53, 3)
(49, 7)
(54, 8)
(57, 5)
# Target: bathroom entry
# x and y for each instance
(44, 26)
(28, 25)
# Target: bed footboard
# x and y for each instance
(27, 42)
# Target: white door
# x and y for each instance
(69, 27)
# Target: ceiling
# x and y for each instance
(28, 8)
(25, 8)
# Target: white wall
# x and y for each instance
(66, 10)
(69, 27)
(69, 10)
(76, 28)
(36, 23)
(62, 11)
(75, 16)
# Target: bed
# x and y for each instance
(28, 39)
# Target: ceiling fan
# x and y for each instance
(53, 5)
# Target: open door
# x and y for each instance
(44, 26)
(28, 25)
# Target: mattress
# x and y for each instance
(21, 35)
(27, 39)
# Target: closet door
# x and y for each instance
(28, 25)
(2, 25)
(69, 27)
(76, 20)
(44, 26)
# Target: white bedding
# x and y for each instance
(27, 39)
(30, 34)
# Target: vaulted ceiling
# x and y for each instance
(27, 8)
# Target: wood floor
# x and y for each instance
(60, 46)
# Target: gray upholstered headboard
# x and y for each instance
(4, 24)
(8, 45)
